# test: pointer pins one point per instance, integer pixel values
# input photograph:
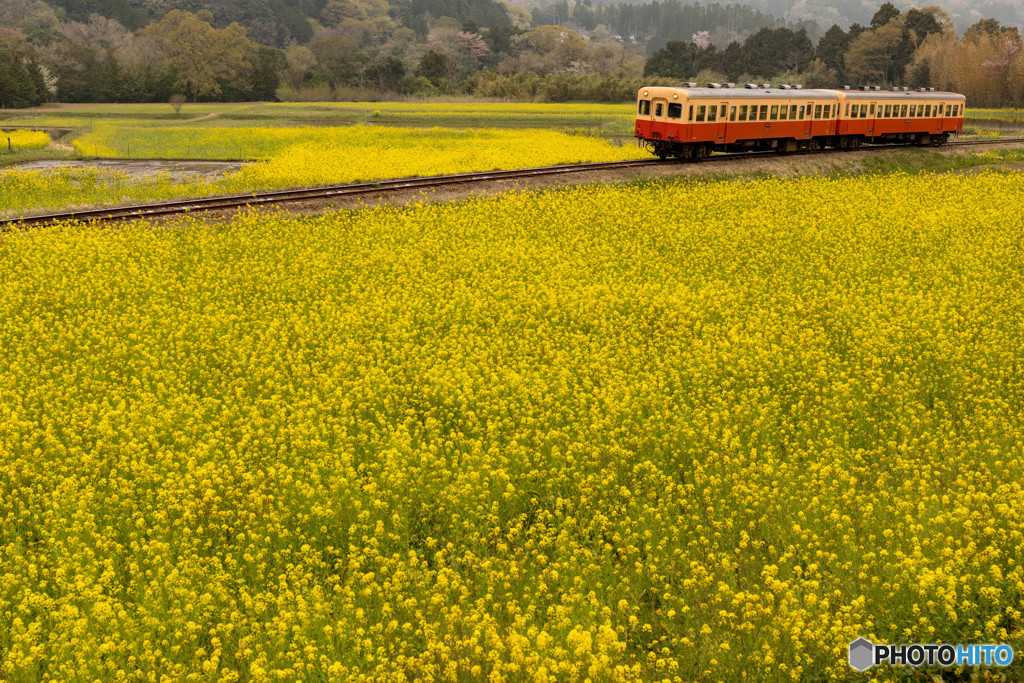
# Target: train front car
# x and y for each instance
(691, 122)
(920, 117)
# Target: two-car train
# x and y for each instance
(691, 122)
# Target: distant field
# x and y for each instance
(304, 144)
(663, 431)
(295, 157)
(595, 119)
(996, 114)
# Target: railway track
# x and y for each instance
(350, 190)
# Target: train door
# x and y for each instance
(808, 119)
(723, 112)
(659, 118)
(873, 113)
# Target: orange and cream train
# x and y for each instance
(691, 122)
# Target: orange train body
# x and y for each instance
(692, 122)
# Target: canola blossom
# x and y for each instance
(21, 140)
(345, 146)
(666, 431)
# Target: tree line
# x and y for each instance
(916, 48)
(375, 49)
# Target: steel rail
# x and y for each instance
(184, 206)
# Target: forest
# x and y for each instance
(322, 50)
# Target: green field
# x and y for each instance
(596, 119)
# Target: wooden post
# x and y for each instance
(9, 144)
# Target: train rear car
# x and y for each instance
(920, 117)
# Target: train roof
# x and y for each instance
(751, 93)
(900, 95)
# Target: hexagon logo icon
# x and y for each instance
(862, 654)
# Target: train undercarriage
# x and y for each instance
(695, 151)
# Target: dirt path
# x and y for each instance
(140, 169)
(205, 117)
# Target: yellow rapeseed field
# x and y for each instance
(356, 148)
(21, 140)
(673, 431)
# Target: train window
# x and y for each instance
(732, 113)
(712, 113)
(927, 111)
(675, 110)
(775, 112)
(691, 113)
(721, 114)
(764, 113)
(888, 111)
(817, 111)
(903, 112)
(645, 108)
(872, 112)
(783, 113)
(659, 109)
(743, 113)
(864, 110)
(802, 109)
(700, 113)
(854, 111)
(847, 108)
(949, 110)
(913, 111)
